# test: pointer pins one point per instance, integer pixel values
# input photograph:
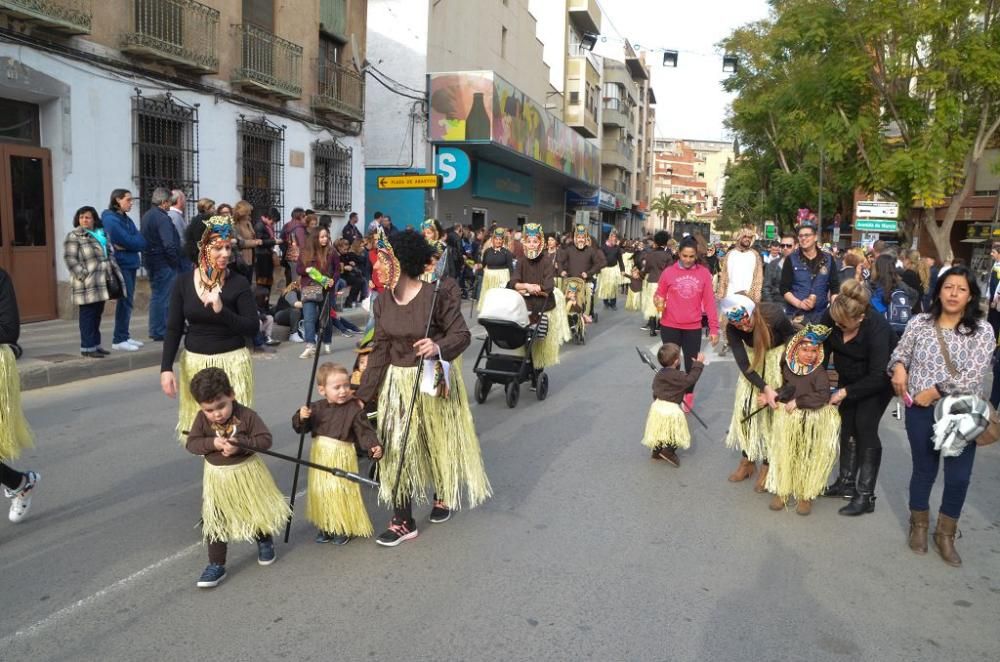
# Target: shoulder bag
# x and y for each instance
(992, 432)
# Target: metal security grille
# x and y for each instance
(261, 163)
(165, 148)
(331, 176)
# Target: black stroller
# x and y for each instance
(505, 318)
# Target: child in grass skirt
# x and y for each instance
(666, 426)
(633, 300)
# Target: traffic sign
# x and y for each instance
(876, 209)
(409, 181)
(870, 225)
(454, 167)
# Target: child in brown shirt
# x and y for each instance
(666, 426)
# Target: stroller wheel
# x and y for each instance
(542, 390)
(482, 389)
(513, 393)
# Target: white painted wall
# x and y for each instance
(551, 31)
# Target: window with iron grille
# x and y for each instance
(261, 163)
(165, 148)
(332, 176)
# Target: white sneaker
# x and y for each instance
(21, 498)
(327, 348)
(125, 347)
(137, 343)
(308, 352)
(295, 337)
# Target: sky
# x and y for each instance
(690, 102)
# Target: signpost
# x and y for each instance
(870, 225)
(876, 209)
(399, 182)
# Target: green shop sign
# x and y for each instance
(498, 183)
(873, 225)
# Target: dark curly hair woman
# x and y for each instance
(443, 449)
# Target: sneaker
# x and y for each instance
(137, 343)
(295, 337)
(212, 576)
(125, 347)
(645, 327)
(308, 352)
(21, 497)
(271, 342)
(340, 539)
(440, 512)
(265, 552)
(346, 334)
(327, 348)
(398, 531)
(322, 537)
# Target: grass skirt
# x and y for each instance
(648, 309)
(607, 283)
(752, 437)
(443, 452)
(802, 451)
(558, 325)
(625, 277)
(492, 278)
(333, 504)
(15, 434)
(633, 300)
(666, 426)
(545, 352)
(238, 366)
(240, 502)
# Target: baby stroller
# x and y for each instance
(577, 301)
(508, 327)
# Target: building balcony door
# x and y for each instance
(27, 244)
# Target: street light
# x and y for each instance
(670, 59)
(730, 63)
(588, 41)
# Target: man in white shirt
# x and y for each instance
(741, 271)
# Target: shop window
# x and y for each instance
(165, 148)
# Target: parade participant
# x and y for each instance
(652, 265)
(434, 234)
(860, 343)
(334, 504)
(757, 335)
(213, 309)
(666, 426)
(579, 260)
(803, 443)
(610, 277)
(533, 279)
(684, 294)
(363, 349)
(742, 268)
(443, 450)
(497, 263)
(809, 278)
(15, 434)
(945, 351)
(633, 300)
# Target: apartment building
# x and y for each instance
(693, 172)
(261, 100)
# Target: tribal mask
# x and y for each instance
(580, 236)
(218, 234)
(386, 261)
(498, 237)
(429, 230)
(804, 352)
(533, 240)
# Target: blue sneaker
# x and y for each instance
(340, 539)
(212, 576)
(322, 537)
(265, 552)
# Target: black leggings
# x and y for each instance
(689, 341)
(860, 419)
(9, 478)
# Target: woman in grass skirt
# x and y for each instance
(497, 262)
(653, 263)
(609, 278)
(533, 278)
(666, 427)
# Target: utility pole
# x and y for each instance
(819, 218)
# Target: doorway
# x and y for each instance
(26, 233)
(478, 218)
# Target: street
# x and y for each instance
(588, 549)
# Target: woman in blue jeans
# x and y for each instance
(945, 351)
(128, 243)
(320, 255)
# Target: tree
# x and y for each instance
(666, 207)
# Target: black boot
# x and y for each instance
(652, 326)
(843, 487)
(864, 501)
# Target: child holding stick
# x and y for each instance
(666, 427)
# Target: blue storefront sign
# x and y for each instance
(606, 200)
(582, 198)
(495, 182)
(454, 167)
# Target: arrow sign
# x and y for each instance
(409, 181)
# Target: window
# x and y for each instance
(259, 13)
(20, 122)
(165, 148)
(261, 165)
(332, 165)
(574, 98)
(503, 42)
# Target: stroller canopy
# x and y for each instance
(504, 305)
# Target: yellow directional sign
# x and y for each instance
(409, 181)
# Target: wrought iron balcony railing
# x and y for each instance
(69, 16)
(181, 32)
(341, 91)
(268, 63)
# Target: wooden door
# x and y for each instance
(27, 244)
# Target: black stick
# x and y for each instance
(339, 473)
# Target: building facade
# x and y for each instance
(691, 172)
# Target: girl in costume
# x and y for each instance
(610, 277)
(533, 278)
(806, 429)
(434, 234)
(213, 308)
(443, 449)
(633, 301)
(666, 427)
(653, 263)
(334, 504)
(756, 334)
(239, 498)
(497, 262)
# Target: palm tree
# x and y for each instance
(666, 207)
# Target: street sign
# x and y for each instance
(770, 231)
(454, 167)
(875, 209)
(409, 181)
(869, 225)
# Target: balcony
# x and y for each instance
(270, 65)
(615, 114)
(618, 153)
(341, 92)
(182, 33)
(67, 16)
(585, 15)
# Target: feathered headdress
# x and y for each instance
(499, 233)
(218, 232)
(533, 230)
(581, 230)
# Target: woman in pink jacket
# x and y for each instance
(684, 294)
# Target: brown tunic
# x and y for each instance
(670, 384)
(250, 431)
(398, 327)
(346, 422)
(653, 264)
(575, 262)
(812, 391)
(536, 272)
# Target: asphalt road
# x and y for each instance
(588, 550)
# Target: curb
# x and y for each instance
(55, 374)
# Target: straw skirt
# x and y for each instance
(648, 292)
(492, 278)
(666, 426)
(751, 437)
(802, 451)
(15, 434)
(608, 281)
(238, 366)
(334, 504)
(240, 502)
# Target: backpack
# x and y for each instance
(900, 308)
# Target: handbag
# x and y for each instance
(116, 288)
(992, 432)
(312, 293)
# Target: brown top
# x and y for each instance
(654, 262)
(346, 422)
(575, 262)
(398, 326)
(635, 284)
(536, 272)
(250, 431)
(670, 384)
(247, 237)
(812, 391)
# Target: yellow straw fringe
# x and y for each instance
(238, 366)
(15, 433)
(443, 452)
(240, 502)
(608, 281)
(666, 426)
(333, 504)
(803, 449)
(492, 278)
(558, 324)
(633, 300)
(626, 277)
(752, 437)
(648, 309)
(545, 352)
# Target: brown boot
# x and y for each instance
(777, 503)
(944, 540)
(919, 521)
(803, 507)
(744, 471)
(761, 477)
